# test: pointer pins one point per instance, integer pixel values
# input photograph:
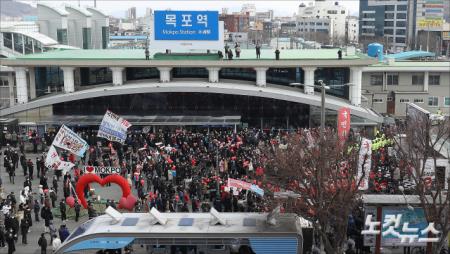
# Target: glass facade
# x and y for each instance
(141, 73)
(18, 43)
(95, 76)
(237, 73)
(336, 78)
(284, 76)
(255, 111)
(86, 38)
(201, 73)
(7, 40)
(48, 80)
(105, 37)
(61, 35)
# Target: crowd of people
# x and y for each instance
(173, 171)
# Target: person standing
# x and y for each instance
(62, 209)
(30, 168)
(340, 54)
(24, 226)
(226, 50)
(237, 49)
(147, 54)
(230, 54)
(10, 241)
(42, 242)
(36, 209)
(277, 54)
(63, 232)
(2, 230)
(77, 210)
(23, 163)
(258, 50)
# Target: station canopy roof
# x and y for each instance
(138, 54)
(92, 120)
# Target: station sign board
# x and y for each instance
(187, 25)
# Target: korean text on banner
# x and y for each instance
(343, 123)
(239, 184)
(113, 127)
(54, 162)
(70, 141)
(365, 153)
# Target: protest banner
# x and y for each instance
(365, 153)
(113, 127)
(68, 140)
(238, 184)
(54, 162)
(343, 123)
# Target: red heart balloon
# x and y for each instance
(70, 201)
(130, 202)
(91, 178)
(122, 202)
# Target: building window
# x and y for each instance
(377, 100)
(447, 101)
(389, 15)
(401, 15)
(434, 80)
(404, 100)
(401, 32)
(389, 23)
(389, 99)
(86, 37)
(392, 79)
(389, 7)
(61, 35)
(400, 40)
(417, 79)
(105, 37)
(401, 7)
(417, 100)
(376, 79)
(433, 101)
(343, 12)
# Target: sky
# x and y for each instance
(118, 7)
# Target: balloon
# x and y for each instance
(70, 201)
(122, 202)
(86, 179)
(130, 202)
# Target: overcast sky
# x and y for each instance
(118, 7)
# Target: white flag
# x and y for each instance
(54, 162)
(70, 141)
(113, 127)
(366, 149)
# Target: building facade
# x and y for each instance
(387, 87)
(387, 22)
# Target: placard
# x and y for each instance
(70, 141)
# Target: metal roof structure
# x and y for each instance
(61, 11)
(410, 55)
(128, 37)
(137, 54)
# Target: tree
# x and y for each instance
(321, 171)
(418, 145)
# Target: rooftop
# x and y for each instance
(413, 64)
(138, 54)
(410, 55)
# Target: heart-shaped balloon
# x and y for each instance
(93, 178)
(70, 201)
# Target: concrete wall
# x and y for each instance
(50, 21)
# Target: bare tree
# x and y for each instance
(419, 142)
(322, 172)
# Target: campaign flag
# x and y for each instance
(343, 123)
(113, 127)
(366, 150)
(70, 141)
(54, 162)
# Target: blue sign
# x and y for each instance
(187, 25)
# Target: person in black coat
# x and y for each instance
(42, 242)
(77, 207)
(62, 209)
(47, 215)
(10, 241)
(36, 209)
(24, 226)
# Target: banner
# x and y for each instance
(54, 162)
(239, 184)
(245, 186)
(343, 123)
(70, 141)
(102, 170)
(366, 150)
(113, 127)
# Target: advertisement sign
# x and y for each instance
(186, 25)
(365, 153)
(343, 123)
(415, 219)
(53, 161)
(113, 127)
(102, 170)
(70, 141)
(432, 15)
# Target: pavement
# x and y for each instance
(112, 192)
